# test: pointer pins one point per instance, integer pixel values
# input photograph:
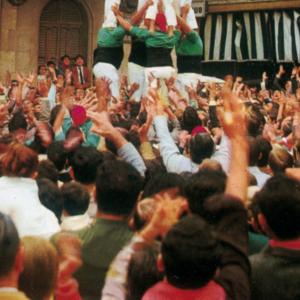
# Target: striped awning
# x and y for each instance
(273, 35)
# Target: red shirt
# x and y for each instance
(165, 291)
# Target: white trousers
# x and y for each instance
(110, 19)
(110, 72)
(159, 73)
(136, 73)
(191, 18)
(169, 12)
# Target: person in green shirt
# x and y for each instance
(108, 55)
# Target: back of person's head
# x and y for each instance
(9, 245)
(57, 154)
(118, 185)
(142, 271)
(76, 199)
(164, 181)
(154, 166)
(190, 253)
(254, 151)
(190, 119)
(279, 202)
(265, 148)
(202, 185)
(85, 162)
(46, 169)
(19, 161)
(133, 137)
(201, 146)
(39, 277)
(255, 120)
(279, 160)
(18, 121)
(50, 196)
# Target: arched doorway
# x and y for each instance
(63, 30)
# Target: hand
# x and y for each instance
(3, 113)
(103, 87)
(167, 213)
(155, 98)
(149, 3)
(185, 9)
(134, 87)
(170, 82)
(101, 123)
(233, 118)
(115, 10)
(20, 78)
(265, 76)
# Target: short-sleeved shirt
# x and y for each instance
(156, 39)
(191, 44)
(111, 37)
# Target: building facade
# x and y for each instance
(39, 30)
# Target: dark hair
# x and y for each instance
(265, 148)
(53, 114)
(202, 185)
(85, 162)
(201, 146)
(191, 253)
(79, 56)
(133, 137)
(43, 137)
(46, 169)
(142, 271)
(154, 166)
(76, 199)
(253, 151)
(279, 160)
(255, 119)
(19, 161)
(50, 62)
(163, 181)
(118, 185)
(190, 119)
(50, 196)
(9, 244)
(18, 121)
(279, 202)
(57, 154)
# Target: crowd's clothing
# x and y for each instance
(276, 272)
(257, 242)
(81, 77)
(12, 294)
(20, 200)
(178, 163)
(102, 241)
(260, 176)
(164, 290)
(75, 223)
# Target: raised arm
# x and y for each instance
(125, 24)
(139, 15)
(184, 27)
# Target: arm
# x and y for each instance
(184, 27)
(138, 16)
(103, 127)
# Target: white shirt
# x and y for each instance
(19, 199)
(74, 223)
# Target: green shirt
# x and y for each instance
(191, 44)
(156, 39)
(111, 37)
(102, 241)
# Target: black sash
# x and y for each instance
(189, 64)
(110, 55)
(159, 57)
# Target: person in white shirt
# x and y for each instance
(19, 193)
(76, 201)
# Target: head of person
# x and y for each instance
(50, 196)
(84, 163)
(255, 120)
(11, 252)
(57, 154)
(19, 161)
(47, 170)
(202, 185)
(79, 60)
(142, 271)
(190, 119)
(279, 160)
(118, 185)
(277, 207)
(265, 148)
(42, 70)
(190, 253)
(200, 147)
(17, 124)
(66, 61)
(39, 276)
(43, 137)
(76, 199)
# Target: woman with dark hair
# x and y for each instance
(19, 193)
(191, 121)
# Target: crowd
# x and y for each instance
(165, 184)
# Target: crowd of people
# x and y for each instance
(163, 184)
